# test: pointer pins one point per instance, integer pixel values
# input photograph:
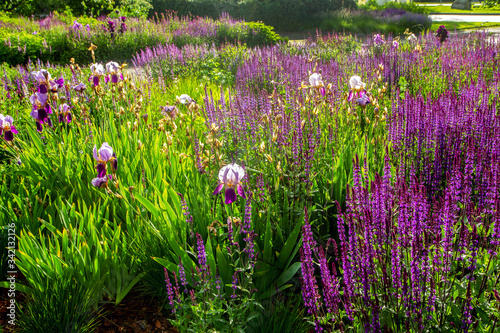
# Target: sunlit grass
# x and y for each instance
(475, 10)
(451, 26)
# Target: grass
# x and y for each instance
(451, 26)
(477, 10)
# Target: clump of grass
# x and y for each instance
(390, 20)
(65, 308)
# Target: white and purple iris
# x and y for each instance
(104, 155)
(41, 110)
(6, 127)
(79, 87)
(358, 91)
(113, 72)
(42, 77)
(64, 113)
(97, 71)
(46, 82)
(230, 176)
(185, 99)
(316, 82)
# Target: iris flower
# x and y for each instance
(357, 88)
(79, 87)
(316, 82)
(77, 25)
(169, 111)
(378, 39)
(185, 99)
(42, 77)
(41, 110)
(113, 69)
(64, 113)
(46, 82)
(56, 84)
(104, 155)
(97, 71)
(101, 181)
(6, 127)
(230, 176)
(363, 100)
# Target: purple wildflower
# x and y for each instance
(202, 257)
(170, 291)
(76, 25)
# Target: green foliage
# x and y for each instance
(261, 34)
(284, 15)
(214, 303)
(25, 39)
(134, 8)
(65, 308)
(19, 47)
(367, 22)
(281, 314)
(106, 241)
(408, 6)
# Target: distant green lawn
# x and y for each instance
(452, 26)
(477, 10)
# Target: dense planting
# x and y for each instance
(358, 184)
(58, 38)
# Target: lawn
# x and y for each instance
(476, 9)
(452, 26)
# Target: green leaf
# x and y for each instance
(268, 244)
(19, 287)
(225, 271)
(146, 203)
(290, 243)
(288, 274)
(121, 294)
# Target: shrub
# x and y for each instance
(409, 7)
(389, 20)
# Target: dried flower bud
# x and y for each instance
(262, 147)
(264, 119)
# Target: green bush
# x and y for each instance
(409, 7)
(262, 34)
(19, 47)
(369, 22)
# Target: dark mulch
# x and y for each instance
(135, 314)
